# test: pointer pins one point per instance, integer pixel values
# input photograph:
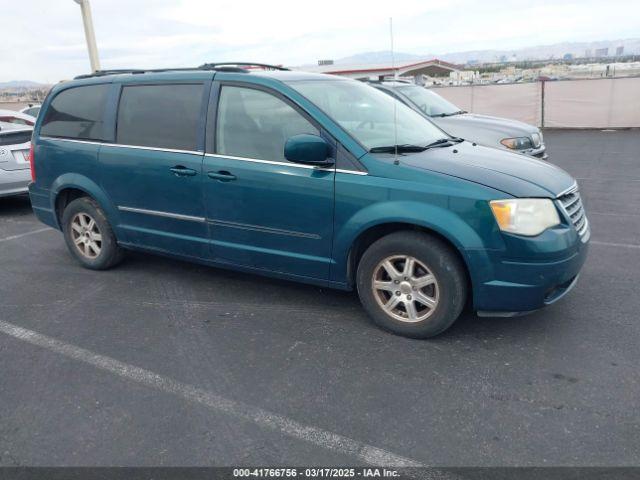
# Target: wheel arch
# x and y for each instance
(375, 232)
(72, 186)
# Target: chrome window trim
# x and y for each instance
(285, 164)
(351, 172)
(119, 145)
(72, 140)
(213, 155)
(155, 149)
(158, 213)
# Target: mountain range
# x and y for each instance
(19, 84)
(539, 52)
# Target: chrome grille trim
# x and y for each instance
(570, 203)
(574, 208)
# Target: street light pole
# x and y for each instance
(89, 34)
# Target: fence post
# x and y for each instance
(542, 103)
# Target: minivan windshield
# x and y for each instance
(429, 102)
(368, 114)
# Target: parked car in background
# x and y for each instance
(32, 110)
(18, 118)
(483, 129)
(311, 178)
(15, 142)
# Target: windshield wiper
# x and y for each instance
(442, 142)
(459, 112)
(405, 148)
(408, 148)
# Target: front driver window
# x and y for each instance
(255, 124)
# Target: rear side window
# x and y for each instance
(33, 111)
(77, 113)
(255, 124)
(161, 116)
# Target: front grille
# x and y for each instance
(571, 203)
(15, 138)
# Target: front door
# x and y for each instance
(265, 212)
(153, 172)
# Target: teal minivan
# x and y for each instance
(306, 177)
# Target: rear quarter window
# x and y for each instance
(160, 116)
(78, 113)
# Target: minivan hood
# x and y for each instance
(502, 127)
(512, 173)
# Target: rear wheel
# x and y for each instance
(89, 236)
(412, 283)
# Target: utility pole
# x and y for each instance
(89, 34)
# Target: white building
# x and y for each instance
(413, 70)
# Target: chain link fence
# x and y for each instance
(589, 103)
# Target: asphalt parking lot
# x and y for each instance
(160, 362)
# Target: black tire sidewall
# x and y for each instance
(443, 263)
(110, 252)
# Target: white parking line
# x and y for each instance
(13, 237)
(611, 214)
(609, 179)
(610, 244)
(322, 438)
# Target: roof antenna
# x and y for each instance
(395, 101)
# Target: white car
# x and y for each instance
(15, 171)
(18, 118)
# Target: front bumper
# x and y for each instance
(540, 152)
(14, 182)
(529, 274)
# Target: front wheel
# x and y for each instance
(412, 283)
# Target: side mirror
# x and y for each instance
(308, 149)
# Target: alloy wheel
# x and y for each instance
(86, 235)
(405, 288)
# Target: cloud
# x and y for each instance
(44, 40)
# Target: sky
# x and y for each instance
(43, 40)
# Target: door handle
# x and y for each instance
(180, 171)
(221, 176)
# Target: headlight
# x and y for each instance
(525, 216)
(537, 139)
(518, 143)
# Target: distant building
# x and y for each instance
(568, 56)
(431, 68)
(619, 51)
(588, 53)
(463, 76)
(602, 52)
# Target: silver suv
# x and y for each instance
(482, 129)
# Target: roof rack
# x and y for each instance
(223, 67)
(102, 73)
(217, 66)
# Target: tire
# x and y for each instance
(88, 235)
(435, 276)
